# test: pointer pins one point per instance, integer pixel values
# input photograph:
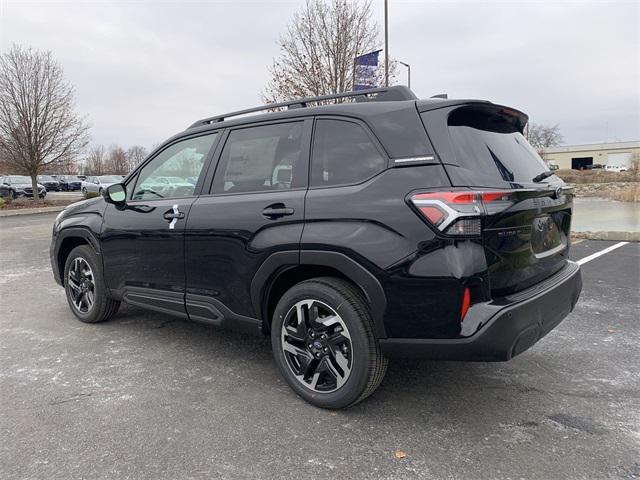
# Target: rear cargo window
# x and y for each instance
(487, 140)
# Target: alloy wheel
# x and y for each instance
(317, 346)
(82, 287)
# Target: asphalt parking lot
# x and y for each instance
(149, 396)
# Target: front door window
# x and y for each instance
(174, 172)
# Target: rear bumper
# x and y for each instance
(510, 325)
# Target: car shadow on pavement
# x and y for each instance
(413, 390)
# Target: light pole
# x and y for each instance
(386, 44)
(408, 72)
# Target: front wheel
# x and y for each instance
(323, 343)
(86, 292)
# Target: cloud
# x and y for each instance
(144, 71)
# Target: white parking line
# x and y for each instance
(584, 260)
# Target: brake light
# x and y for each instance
(466, 303)
(459, 213)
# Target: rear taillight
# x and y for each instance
(459, 213)
(466, 303)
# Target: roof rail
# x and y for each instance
(386, 94)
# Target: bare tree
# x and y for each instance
(96, 163)
(117, 160)
(135, 155)
(39, 127)
(68, 166)
(543, 136)
(317, 51)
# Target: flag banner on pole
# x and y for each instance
(365, 67)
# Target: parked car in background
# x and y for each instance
(616, 168)
(50, 183)
(99, 183)
(349, 233)
(69, 183)
(5, 190)
(168, 186)
(20, 186)
(553, 167)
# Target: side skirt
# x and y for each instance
(197, 308)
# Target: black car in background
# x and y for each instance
(49, 182)
(69, 183)
(20, 186)
(5, 190)
(349, 233)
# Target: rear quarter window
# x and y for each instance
(343, 154)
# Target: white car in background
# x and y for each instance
(615, 168)
(99, 183)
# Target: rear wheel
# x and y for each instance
(323, 343)
(86, 292)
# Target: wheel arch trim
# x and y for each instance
(275, 266)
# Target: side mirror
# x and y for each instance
(116, 194)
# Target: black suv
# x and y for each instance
(376, 226)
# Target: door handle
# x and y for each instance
(277, 210)
(170, 215)
(173, 216)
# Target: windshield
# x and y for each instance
(487, 141)
(19, 179)
(110, 179)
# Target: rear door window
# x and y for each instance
(262, 159)
(343, 154)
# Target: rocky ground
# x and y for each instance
(622, 191)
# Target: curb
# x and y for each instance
(31, 211)
(615, 236)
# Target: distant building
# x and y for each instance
(579, 157)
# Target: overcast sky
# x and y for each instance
(146, 70)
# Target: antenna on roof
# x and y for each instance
(441, 95)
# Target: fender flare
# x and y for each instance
(275, 265)
(81, 232)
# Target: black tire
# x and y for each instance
(100, 191)
(103, 307)
(14, 195)
(84, 191)
(369, 365)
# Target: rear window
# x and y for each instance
(487, 140)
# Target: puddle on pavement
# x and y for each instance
(594, 214)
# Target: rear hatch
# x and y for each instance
(527, 211)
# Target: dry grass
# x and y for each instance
(597, 176)
(21, 203)
(626, 194)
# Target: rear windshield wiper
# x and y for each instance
(542, 176)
